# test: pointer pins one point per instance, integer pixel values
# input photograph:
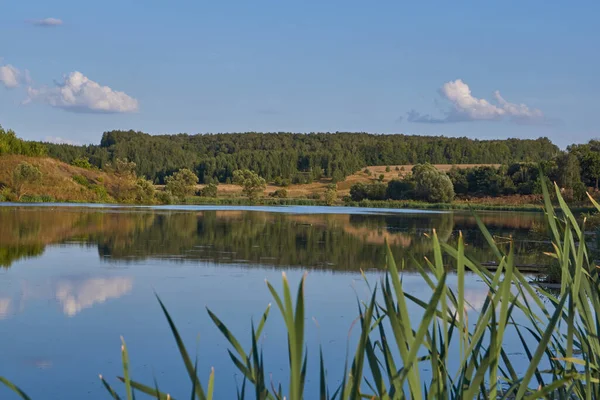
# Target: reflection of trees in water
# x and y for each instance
(330, 241)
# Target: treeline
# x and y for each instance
(11, 144)
(297, 158)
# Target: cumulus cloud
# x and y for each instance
(78, 93)
(59, 140)
(47, 22)
(76, 296)
(10, 76)
(466, 107)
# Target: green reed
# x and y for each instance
(561, 338)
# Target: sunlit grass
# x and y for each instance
(560, 338)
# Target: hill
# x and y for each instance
(60, 181)
(299, 158)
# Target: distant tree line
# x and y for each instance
(574, 171)
(289, 157)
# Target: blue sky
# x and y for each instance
(230, 66)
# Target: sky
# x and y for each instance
(70, 70)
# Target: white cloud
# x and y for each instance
(59, 140)
(78, 93)
(47, 22)
(466, 107)
(76, 296)
(10, 76)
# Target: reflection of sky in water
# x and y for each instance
(76, 296)
(67, 346)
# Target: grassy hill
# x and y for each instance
(60, 181)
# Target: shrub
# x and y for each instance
(400, 189)
(314, 196)
(164, 197)
(432, 185)
(279, 194)
(397, 168)
(144, 191)
(381, 178)
(6, 194)
(388, 169)
(81, 162)
(330, 194)
(209, 190)
(181, 183)
(374, 191)
(252, 184)
(82, 180)
(101, 193)
(23, 174)
(278, 181)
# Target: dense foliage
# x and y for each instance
(252, 184)
(11, 144)
(181, 183)
(293, 157)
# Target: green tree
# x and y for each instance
(432, 185)
(381, 178)
(24, 174)
(209, 190)
(144, 191)
(182, 183)
(568, 171)
(331, 194)
(252, 184)
(591, 166)
(388, 169)
(82, 162)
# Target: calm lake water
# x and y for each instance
(73, 279)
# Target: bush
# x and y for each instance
(432, 185)
(330, 195)
(388, 169)
(400, 189)
(164, 197)
(81, 162)
(252, 184)
(6, 194)
(279, 194)
(144, 191)
(181, 183)
(23, 174)
(314, 196)
(209, 190)
(101, 193)
(82, 180)
(373, 191)
(381, 178)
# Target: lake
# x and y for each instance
(74, 278)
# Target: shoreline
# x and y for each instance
(372, 204)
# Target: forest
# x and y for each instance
(299, 158)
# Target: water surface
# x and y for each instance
(73, 279)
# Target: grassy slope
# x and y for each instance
(57, 179)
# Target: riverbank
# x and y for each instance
(460, 205)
